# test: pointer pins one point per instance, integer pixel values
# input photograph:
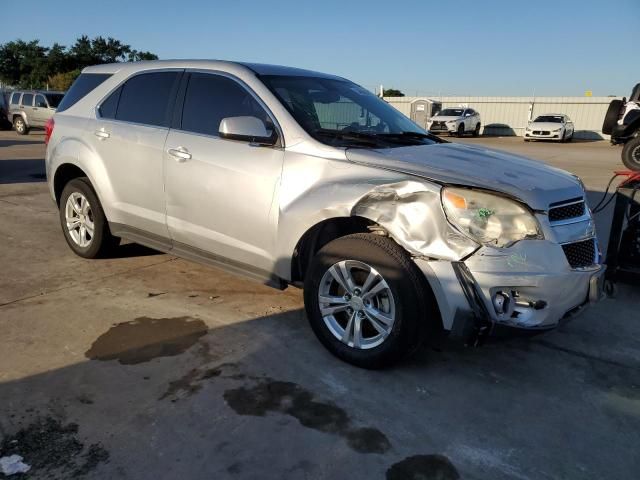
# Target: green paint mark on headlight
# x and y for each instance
(485, 212)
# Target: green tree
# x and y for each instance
(392, 92)
(31, 65)
(62, 81)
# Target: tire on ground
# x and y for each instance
(631, 154)
(102, 242)
(416, 313)
(611, 117)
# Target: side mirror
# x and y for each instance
(467, 114)
(246, 129)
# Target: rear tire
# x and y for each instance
(612, 116)
(20, 126)
(476, 132)
(83, 221)
(402, 296)
(631, 154)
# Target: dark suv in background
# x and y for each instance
(4, 111)
(31, 109)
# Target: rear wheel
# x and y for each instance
(476, 132)
(83, 221)
(366, 301)
(20, 126)
(631, 154)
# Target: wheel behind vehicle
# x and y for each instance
(83, 221)
(366, 301)
(631, 154)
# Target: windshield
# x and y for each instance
(549, 119)
(54, 99)
(450, 112)
(340, 113)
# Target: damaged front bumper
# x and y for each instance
(529, 286)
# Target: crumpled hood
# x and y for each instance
(534, 183)
(551, 126)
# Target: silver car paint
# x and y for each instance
(254, 210)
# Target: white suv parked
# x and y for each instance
(456, 121)
(300, 178)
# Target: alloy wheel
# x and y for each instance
(79, 219)
(356, 304)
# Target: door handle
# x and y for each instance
(101, 134)
(180, 154)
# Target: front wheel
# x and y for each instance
(366, 301)
(461, 130)
(20, 126)
(83, 221)
(631, 154)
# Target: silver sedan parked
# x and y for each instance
(550, 126)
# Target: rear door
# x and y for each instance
(128, 135)
(40, 111)
(222, 199)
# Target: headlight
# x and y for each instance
(451, 122)
(489, 219)
(557, 129)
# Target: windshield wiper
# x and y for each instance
(363, 138)
(412, 135)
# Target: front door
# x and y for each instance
(221, 194)
(40, 111)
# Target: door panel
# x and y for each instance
(132, 157)
(223, 200)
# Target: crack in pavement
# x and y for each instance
(131, 270)
(584, 355)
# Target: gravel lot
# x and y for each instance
(146, 366)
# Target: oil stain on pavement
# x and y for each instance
(144, 339)
(423, 467)
(52, 449)
(288, 398)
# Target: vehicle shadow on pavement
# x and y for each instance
(12, 143)
(175, 397)
(22, 171)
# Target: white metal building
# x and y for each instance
(509, 115)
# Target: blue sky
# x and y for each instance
(461, 47)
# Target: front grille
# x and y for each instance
(541, 132)
(566, 212)
(438, 126)
(580, 254)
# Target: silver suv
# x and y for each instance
(299, 178)
(32, 109)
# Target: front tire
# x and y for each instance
(20, 126)
(461, 130)
(83, 221)
(631, 154)
(367, 302)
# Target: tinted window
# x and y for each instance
(54, 99)
(15, 98)
(84, 84)
(27, 99)
(109, 107)
(147, 98)
(40, 101)
(210, 98)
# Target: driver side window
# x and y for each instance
(210, 98)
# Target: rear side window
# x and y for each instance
(109, 107)
(27, 99)
(84, 84)
(148, 98)
(210, 98)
